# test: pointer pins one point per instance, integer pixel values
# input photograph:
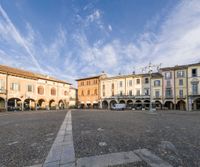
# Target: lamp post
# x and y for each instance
(149, 69)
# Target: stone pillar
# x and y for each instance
(35, 106)
(100, 104)
(15, 103)
(195, 105)
(22, 106)
(6, 105)
(30, 105)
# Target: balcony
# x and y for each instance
(181, 96)
(157, 97)
(2, 91)
(194, 93)
(169, 97)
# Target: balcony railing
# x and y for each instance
(194, 93)
(181, 96)
(157, 97)
(169, 97)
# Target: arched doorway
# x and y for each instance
(52, 105)
(112, 103)
(41, 104)
(122, 102)
(14, 104)
(146, 104)
(196, 104)
(2, 104)
(138, 105)
(129, 104)
(105, 104)
(61, 105)
(181, 105)
(95, 105)
(81, 105)
(169, 105)
(158, 105)
(29, 104)
(88, 104)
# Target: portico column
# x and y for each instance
(22, 106)
(6, 105)
(35, 106)
(15, 103)
(30, 105)
(100, 104)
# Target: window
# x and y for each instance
(146, 80)
(95, 92)
(194, 89)
(121, 93)
(138, 93)
(103, 87)
(104, 93)
(15, 86)
(113, 86)
(146, 91)
(168, 92)
(1, 84)
(40, 90)
(180, 74)
(180, 93)
(88, 92)
(65, 93)
(194, 72)
(180, 82)
(30, 88)
(130, 82)
(82, 83)
(130, 92)
(120, 83)
(82, 93)
(168, 83)
(157, 94)
(157, 83)
(88, 82)
(138, 81)
(113, 93)
(53, 91)
(168, 75)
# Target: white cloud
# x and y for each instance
(110, 27)
(94, 16)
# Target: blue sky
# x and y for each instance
(70, 39)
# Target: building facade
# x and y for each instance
(89, 91)
(132, 90)
(173, 88)
(194, 86)
(73, 96)
(24, 90)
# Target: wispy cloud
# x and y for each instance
(71, 54)
(9, 32)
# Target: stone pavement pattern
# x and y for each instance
(172, 136)
(26, 137)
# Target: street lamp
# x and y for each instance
(149, 69)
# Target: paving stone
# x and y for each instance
(151, 158)
(108, 159)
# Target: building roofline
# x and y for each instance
(177, 67)
(27, 74)
(96, 76)
(133, 75)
